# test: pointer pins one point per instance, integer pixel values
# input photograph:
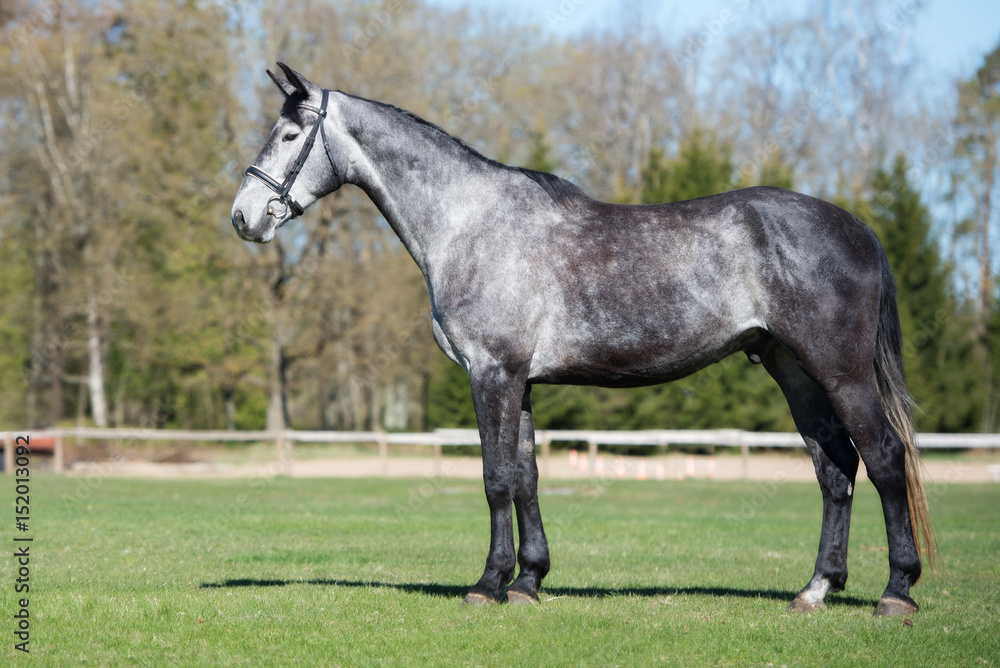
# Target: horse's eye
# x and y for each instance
(290, 136)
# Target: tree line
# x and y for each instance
(124, 130)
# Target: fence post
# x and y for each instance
(284, 452)
(437, 457)
(546, 442)
(592, 457)
(383, 453)
(57, 454)
(8, 453)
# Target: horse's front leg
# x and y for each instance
(533, 549)
(496, 394)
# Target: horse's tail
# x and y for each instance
(890, 381)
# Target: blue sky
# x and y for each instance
(952, 35)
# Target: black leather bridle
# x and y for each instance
(283, 189)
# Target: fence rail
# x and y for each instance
(54, 440)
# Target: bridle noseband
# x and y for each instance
(283, 189)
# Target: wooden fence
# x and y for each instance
(53, 440)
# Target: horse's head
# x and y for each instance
(290, 173)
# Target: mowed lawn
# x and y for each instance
(371, 572)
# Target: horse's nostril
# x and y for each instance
(238, 221)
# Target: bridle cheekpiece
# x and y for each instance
(284, 188)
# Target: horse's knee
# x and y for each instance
(500, 490)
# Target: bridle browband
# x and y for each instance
(284, 188)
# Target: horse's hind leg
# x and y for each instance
(836, 463)
(533, 549)
(884, 453)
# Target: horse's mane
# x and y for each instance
(559, 189)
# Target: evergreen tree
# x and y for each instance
(701, 168)
(903, 223)
(539, 157)
(776, 173)
(449, 397)
(933, 337)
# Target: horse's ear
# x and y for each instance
(301, 84)
(285, 87)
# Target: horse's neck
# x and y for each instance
(420, 180)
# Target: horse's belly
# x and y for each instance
(627, 358)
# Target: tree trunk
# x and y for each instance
(95, 372)
(230, 401)
(277, 404)
(984, 304)
(38, 352)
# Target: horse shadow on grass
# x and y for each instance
(459, 591)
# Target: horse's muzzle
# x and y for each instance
(239, 223)
(243, 228)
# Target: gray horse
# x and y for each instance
(532, 281)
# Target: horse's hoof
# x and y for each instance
(518, 598)
(894, 607)
(477, 600)
(805, 607)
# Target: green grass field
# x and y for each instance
(370, 572)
